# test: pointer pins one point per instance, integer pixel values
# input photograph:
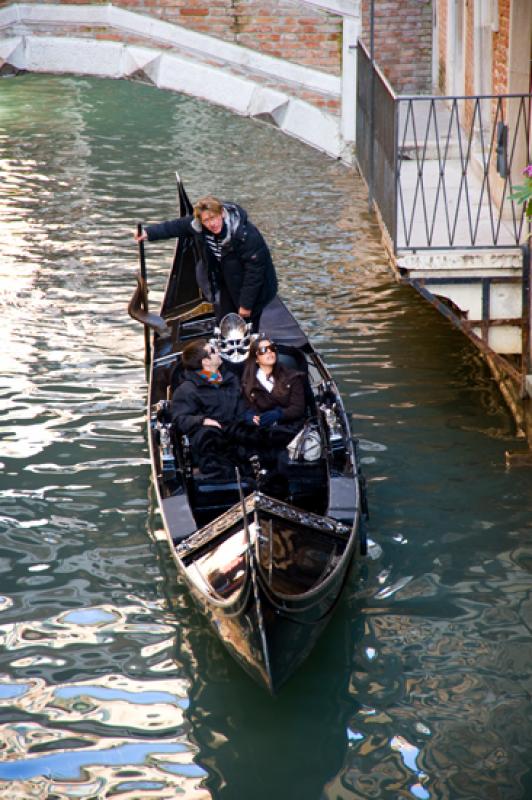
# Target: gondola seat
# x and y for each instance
(307, 480)
(292, 358)
(212, 497)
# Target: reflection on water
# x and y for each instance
(111, 684)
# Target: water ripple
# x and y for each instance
(111, 684)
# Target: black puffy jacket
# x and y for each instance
(246, 266)
(195, 399)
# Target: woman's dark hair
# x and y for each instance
(194, 353)
(250, 366)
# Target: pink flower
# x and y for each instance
(528, 171)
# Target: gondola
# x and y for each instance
(266, 569)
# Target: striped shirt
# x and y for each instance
(214, 242)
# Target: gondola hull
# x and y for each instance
(266, 571)
(268, 577)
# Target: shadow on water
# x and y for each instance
(111, 684)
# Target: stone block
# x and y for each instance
(505, 339)
(12, 51)
(269, 105)
(75, 55)
(313, 126)
(141, 63)
(208, 83)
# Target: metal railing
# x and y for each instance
(376, 136)
(442, 169)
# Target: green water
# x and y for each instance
(111, 684)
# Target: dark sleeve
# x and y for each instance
(171, 229)
(296, 401)
(255, 258)
(242, 408)
(185, 409)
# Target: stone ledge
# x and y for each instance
(479, 263)
(344, 8)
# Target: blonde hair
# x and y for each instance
(207, 203)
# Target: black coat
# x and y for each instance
(195, 399)
(246, 271)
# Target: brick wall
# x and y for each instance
(442, 45)
(216, 17)
(403, 42)
(501, 47)
(469, 49)
(289, 30)
(469, 63)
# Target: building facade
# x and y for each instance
(483, 46)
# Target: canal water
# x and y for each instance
(111, 684)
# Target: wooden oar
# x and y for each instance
(143, 275)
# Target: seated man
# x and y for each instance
(204, 405)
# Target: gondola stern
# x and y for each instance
(185, 206)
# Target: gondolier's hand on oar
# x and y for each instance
(212, 422)
(140, 237)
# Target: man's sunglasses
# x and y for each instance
(210, 350)
(264, 348)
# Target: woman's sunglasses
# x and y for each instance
(264, 348)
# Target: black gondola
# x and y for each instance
(266, 571)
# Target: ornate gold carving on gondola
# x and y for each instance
(203, 307)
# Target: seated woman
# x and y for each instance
(275, 395)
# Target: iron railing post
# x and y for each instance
(371, 177)
(395, 209)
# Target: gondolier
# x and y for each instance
(236, 272)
